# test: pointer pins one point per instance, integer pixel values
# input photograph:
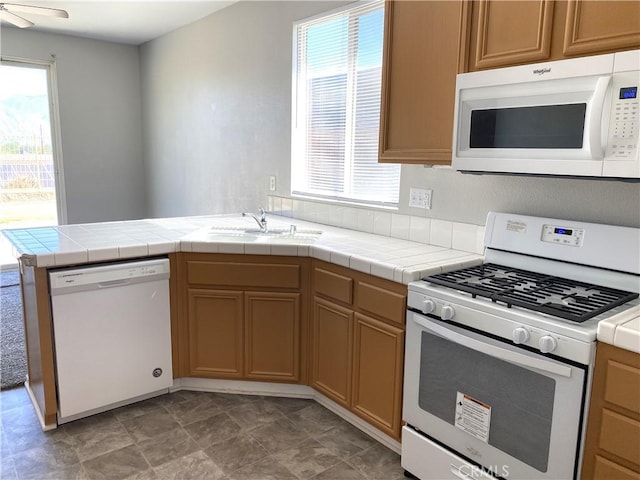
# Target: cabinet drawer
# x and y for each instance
(620, 435)
(333, 285)
(382, 302)
(607, 470)
(623, 385)
(243, 274)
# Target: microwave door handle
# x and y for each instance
(494, 351)
(595, 119)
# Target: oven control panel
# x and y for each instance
(562, 235)
(513, 326)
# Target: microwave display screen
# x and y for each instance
(547, 126)
(628, 92)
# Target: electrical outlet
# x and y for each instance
(272, 183)
(420, 198)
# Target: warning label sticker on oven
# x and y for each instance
(473, 416)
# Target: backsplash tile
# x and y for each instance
(442, 233)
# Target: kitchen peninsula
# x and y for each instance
(339, 274)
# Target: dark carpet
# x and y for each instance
(13, 359)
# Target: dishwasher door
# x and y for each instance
(112, 335)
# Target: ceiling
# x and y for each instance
(130, 22)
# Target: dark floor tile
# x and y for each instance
(316, 419)
(377, 463)
(279, 435)
(89, 424)
(25, 437)
(167, 446)
(14, 397)
(307, 459)
(254, 414)
(236, 452)
(7, 470)
(93, 443)
(149, 425)
(289, 405)
(196, 466)
(266, 469)
(230, 400)
(116, 465)
(213, 429)
(194, 409)
(341, 471)
(39, 461)
(138, 409)
(346, 440)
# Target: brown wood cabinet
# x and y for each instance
(245, 317)
(423, 51)
(612, 448)
(357, 343)
(506, 33)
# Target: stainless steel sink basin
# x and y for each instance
(276, 235)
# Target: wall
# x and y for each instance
(100, 116)
(217, 109)
(217, 103)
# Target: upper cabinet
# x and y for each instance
(423, 51)
(428, 42)
(506, 33)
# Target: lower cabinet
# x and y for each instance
(245, 317)
(357, 343)
(249, 317)
(612, 448)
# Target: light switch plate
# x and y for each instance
(272, 183)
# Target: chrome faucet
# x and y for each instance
(262, 221)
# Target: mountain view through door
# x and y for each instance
(27, 174)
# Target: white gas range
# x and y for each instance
(499, 357)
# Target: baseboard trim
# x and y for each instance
(284, 390)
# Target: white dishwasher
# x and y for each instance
(112, 335)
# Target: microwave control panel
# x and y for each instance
(624, 128)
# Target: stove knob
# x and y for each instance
(547, 344)
(520, 335)
(447, 312)
(428, 306)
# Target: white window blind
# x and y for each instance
(336, 107)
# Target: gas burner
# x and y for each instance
(566, 299)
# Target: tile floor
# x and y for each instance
(192, 435)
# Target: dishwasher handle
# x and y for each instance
(114, 283)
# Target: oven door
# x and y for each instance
(500, 406)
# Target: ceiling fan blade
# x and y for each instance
(15, 19)
(51, 12)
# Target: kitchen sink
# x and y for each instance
(276, 235)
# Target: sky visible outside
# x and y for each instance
(22, 81)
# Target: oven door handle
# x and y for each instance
(493, 350)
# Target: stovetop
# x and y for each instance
(566, 299)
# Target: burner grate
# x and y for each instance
(567, 299)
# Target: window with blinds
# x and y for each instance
(337, 68)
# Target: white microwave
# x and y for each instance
(577, 117)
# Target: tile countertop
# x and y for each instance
(391, 258)
(623, 333)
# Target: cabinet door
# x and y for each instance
(594, 27)
(272, 341)
(422, 55)
(510, 33)
(215, 333)
(377, 374)
(332, 350)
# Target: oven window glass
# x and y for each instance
(548, 126)
(521, 401)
